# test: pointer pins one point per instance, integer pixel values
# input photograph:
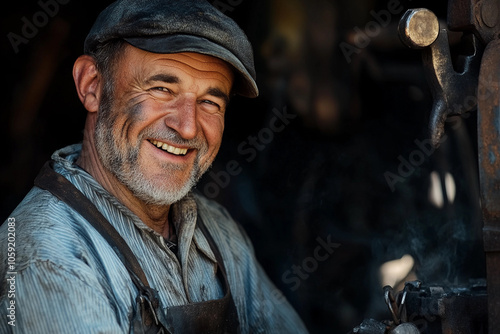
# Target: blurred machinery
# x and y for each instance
(459, 84)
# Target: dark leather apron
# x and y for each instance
(213, 316)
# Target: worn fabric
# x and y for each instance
(67, 279)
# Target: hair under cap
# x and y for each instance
(173, 26)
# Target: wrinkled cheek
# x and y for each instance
(128, 123)
(205, 162)
(214, 151)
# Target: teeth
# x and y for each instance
(168, 148)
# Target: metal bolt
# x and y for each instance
(489, 13)
(418, 28)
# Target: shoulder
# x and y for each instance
(232, 241)
(40, 215)
(210, 206)
(45, 229)
(219, 220)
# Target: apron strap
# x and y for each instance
(64, 190)
(211, 316)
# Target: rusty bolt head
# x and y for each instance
(418, 28)
(489, 13)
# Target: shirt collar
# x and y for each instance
(185, 217)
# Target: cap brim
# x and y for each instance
(244, 85)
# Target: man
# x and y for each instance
(145, 254)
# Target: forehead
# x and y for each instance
(195, 64)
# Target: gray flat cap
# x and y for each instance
(173, 26)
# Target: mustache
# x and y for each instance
(171, 136)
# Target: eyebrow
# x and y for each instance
(172, 79)
(167, 78)
(218, 93)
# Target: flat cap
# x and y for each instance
(173, 26)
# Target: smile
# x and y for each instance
(169, 148)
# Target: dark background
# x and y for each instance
(323, 177)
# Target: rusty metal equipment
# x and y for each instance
(472, 84)
(433, 309)
(448, 309)
(459, 85)
(489, 173)
(454, 92)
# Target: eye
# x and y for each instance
(211, 106)
(211, 103)
(161, 89)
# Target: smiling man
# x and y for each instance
(112, 239)
(158, 129)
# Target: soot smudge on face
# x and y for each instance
(134, 114)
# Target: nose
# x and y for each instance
(183, 118)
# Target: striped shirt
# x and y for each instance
(65, 278)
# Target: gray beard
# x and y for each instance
(124, 166)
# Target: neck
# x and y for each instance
(154, 216)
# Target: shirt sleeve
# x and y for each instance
(50, 299)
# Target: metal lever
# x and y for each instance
(454, 92)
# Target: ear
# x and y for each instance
(88, 82)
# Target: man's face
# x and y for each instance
(161, 126)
